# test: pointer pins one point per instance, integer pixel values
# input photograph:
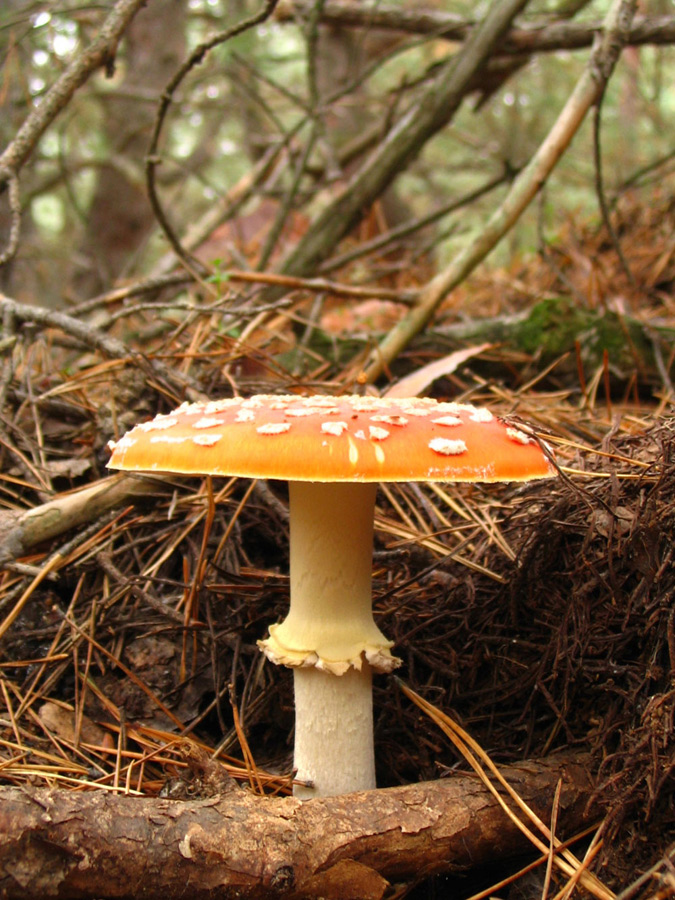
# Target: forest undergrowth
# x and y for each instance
(539, 618)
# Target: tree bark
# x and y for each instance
(21, 531)
(98, 845)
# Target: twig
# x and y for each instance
(21, 531)
(146, 286)
(524, 189)
(89, 335)
(47, 570)
(220, 309)
(153, 159)
(104, 559)
(433, 110)
(408, 228)
(10, 178)
(320, 285)
(101, 52)
(96, 339)
(666, 862)
(381, 16)
(536, 38)
(264, 173)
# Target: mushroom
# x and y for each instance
(332, 451)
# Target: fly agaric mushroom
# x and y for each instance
(332, 451)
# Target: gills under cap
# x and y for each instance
(324, 438)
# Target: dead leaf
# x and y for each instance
(61, 721)
(417, 382)
(67, 468)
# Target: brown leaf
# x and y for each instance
(417, 382)
(62, 722)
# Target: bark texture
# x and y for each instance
(56, 843)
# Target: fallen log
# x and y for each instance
(94, 844)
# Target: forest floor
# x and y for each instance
(540, 618)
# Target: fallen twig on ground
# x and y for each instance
(97, 844)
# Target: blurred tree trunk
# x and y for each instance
(120, 216)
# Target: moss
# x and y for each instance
(555, 325)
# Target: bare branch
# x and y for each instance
(407, 228)
(587, 91)
(101, 52)
(97, 844)
(434, 109)
(94, 338)
(549, 37)
(20, 531)
(153, 159)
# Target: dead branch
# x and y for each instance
(537, 38)
(152, 158)
(527, 185)
(435, 108)
(101, 52)
(19, 532)
(96, 844)
(88, 334)
(96, 339)
(320, 285)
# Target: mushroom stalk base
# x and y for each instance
(333, 732)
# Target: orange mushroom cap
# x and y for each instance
(344, 439)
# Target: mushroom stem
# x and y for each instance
(334, 749)
(330, 637)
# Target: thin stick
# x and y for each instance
(153, 159)
(100, 52)
(524, 189)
